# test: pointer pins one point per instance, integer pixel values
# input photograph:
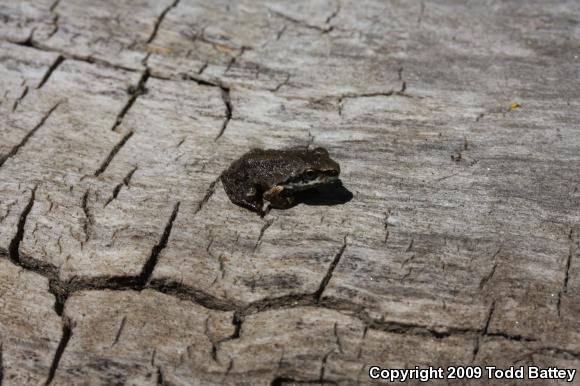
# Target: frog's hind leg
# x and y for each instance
(255, 205)
(243, 194)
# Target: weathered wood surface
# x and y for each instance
(123, 262)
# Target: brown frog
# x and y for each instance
(277, 176)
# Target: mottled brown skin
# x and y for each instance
(276, 176)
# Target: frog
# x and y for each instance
(277, 176)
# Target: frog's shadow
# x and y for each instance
(333, 194)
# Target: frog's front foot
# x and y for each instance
(277, 199)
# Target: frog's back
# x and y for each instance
(278, 159)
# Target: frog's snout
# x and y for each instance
(328, 178)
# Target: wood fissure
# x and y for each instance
(14, 151)
(58, 61)
(331, 268)
(113, 153)
(67, 332)
(14, 248)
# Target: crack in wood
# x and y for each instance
(407, 261)
(60, 291)
(160, 20)
(209, 192)
(151, 262)
(484, 331)
(410, 246)
(402, 93)
(202, 68)
(237, 321)
(571, 251)
(281, 32)
(119, 331)
(20, 98)
(407, 274)
(226, 98)
(323, 29)
(72, 56)
(487, 278)
(55, 20)
(57, 288)
(512, 337)
(28, 42)
(386, 225)
(333, 14)
(27, 137)
(323, 367)
(134, 93)
(113, 153)
(125, 182)
(200, 80)
(92, 60)
(282, 302)
(281, 84)
(88, 220)
(54, 5)
(342, 98)
(229, 369)
(196, 296)
(160, 377)
(235, 58)
(58, 61)
(403, 82)
(65, 338)
(362, 341)
(331, 268)
(14, 246)
(145, 60)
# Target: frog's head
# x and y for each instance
(316, 169)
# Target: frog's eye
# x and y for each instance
(310, 173)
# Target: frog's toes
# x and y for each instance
(273, 192)
(277, 189)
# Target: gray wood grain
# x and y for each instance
(124, 262)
